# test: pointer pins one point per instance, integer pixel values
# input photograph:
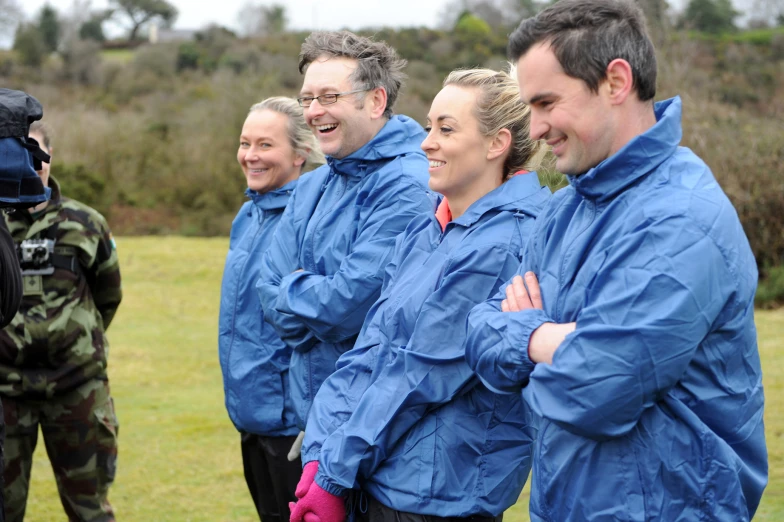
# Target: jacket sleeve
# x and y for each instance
(653, 300)
(497, 344)
(339, 394)
(10, 277)
(426, 373)
(278, 261)
(333, 307)
(104, 276)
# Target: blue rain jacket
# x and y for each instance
(340, 230)
(404, 417)
(253, 359)
(652, 407)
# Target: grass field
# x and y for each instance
(179, 454)
(118, 55)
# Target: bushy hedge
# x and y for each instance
(155, 136)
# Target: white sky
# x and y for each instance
(302, 14)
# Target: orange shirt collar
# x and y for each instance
(443, 214)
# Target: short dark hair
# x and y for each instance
(378, 63)
(586, 35)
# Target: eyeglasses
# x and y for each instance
(326, 99)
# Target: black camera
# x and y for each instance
(20, 186)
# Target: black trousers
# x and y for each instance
(377, 512)
(2, 462)
(271, 478)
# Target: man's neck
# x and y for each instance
(637, 120)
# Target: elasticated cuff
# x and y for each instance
(520, 338)
(328, 485)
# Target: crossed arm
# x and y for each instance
(545, 339)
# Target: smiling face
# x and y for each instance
(456, 148)
(345, 126)
(574, 121)
(265, 154)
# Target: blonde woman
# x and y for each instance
(275, 145)
(404, 419)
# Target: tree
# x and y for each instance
(710, 16)
(275, 19)
(29, 45)
(262, 20)
(499, 14)
(49, 26)
(142, 12)
(656, 16)
(92, 28)
(471, 27)
(523, 9)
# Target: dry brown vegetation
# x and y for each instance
(150, 139)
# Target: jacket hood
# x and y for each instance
(635, 159)
(522, 193)
(274, 199)
(400, 135)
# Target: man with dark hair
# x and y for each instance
(325, 266)
(630, 327)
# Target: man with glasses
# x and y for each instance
(326, 263)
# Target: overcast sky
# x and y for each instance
(302, 14)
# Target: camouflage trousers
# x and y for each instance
(80, 435)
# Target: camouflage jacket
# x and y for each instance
(57, 340)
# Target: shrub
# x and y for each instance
(82, 62)
(83, 184)
(770, 291)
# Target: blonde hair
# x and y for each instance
(498, 106)
(302, 139)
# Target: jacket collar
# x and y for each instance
(274, 199)
(400, 135)
(521, 193)
(635, 159)
(54, 199)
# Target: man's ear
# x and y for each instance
(500, 144)
(619, 81)
(378, 102)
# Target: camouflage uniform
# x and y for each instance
(53, 362)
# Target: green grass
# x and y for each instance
(179, 454)
(121, 56)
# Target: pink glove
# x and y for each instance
(318, 506)
(308, 474)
